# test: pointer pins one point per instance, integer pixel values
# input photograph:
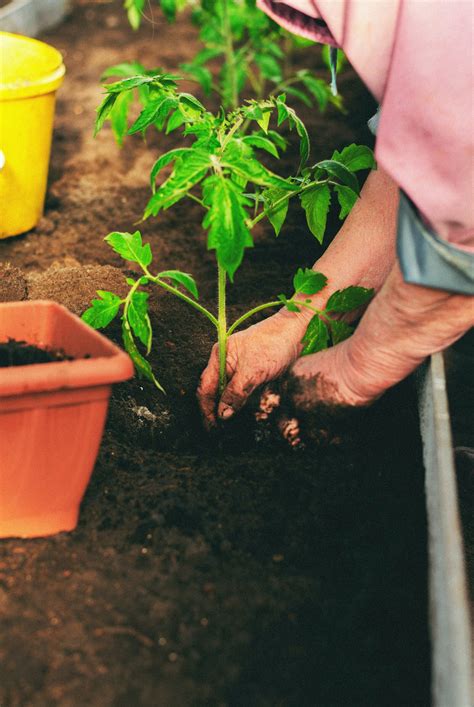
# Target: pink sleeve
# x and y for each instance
(426, 131)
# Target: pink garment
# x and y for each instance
(416, 57)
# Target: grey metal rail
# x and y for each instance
(452, 680)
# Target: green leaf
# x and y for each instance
(103, 310)
(348, 299)
(285, 112)
(129, 83)
(130, 247)
(155, 113)
(315, 201)
(137, 315)
(181, 278)
(104, 111)
(175, 121)
(261, 142)
(269, 67)
(309, 282)
(238, 156)
(355, 157)
(189, 169)
(340, 330)
(134, 10)
(316, 337)
(264, 121)
(346, 197)
(276, 214)
(141, 364)
(119, 115)
(297, 93)
(291, 306)
(165, 160)
(317, 88)
(226, 220)
(132, 68)
(340, 171)
(169, 9)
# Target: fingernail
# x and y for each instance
(226, 413)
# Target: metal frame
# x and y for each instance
(452, 679)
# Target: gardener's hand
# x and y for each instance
(254, 356)
(402, 326)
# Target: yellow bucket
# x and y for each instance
(30, 73)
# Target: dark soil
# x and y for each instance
(206, 571)
(20, 353)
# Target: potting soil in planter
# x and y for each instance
(20, 353)
(208, 571)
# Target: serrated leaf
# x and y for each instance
(155, 113)
(316, 337)
(176, 119)
(130, 83)
(291, 306)
(340, 330)
(261, 142)
(163, 161)
(119, 115)
(137, 315)
(130, 247)
(348, 299)
(189, 169)
(340, 171)
(355, 157)
(102, 311)
(104, 111)
(264, 121)
(226, 220)
(315, 201)
(141, 364)
(294, 121)
(276, 214)
(346, 197)
(309, 282)
(181, 278)
(238, 156)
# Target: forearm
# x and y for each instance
(403, 325)
(363, 252)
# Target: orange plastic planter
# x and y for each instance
(51, 418)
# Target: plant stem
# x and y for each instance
(222, 333)
(286, 197)
(230, 55)
(182, 296)
(238, 322)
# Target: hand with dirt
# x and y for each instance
(361, 254)
(402, 326)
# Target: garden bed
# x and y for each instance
(217, 571)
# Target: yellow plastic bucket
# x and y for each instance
(30, 74)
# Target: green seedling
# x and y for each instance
(243, 50)
(220, 170)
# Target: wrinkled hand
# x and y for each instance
(315, 396)
(254, 356)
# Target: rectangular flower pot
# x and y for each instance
(51, 417)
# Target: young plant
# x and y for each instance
(252, 52)
(221, 171)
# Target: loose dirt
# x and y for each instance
(205, 571)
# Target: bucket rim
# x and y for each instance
(47, 83)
